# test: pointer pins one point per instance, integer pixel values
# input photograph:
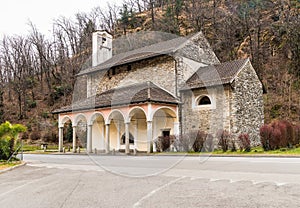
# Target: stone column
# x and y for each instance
(127, 138)
(89, 139)
(118, 134)
(60, 138)
(149, 136)
(74, 139)
(136, 134)
(107, 138)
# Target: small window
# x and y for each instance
(204, 101)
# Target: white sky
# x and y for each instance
(15, 14)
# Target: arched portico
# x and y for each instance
(102, 130)
(165, 122)
(116, 127)
(138, 127)
(97, 122)
(64, 124)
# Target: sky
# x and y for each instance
(16, 14)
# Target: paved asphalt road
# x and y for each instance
(151, 181)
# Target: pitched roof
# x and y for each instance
(213, 75)
(158, 49)
(132, 94)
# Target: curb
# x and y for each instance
(11, 168)
(249, 156)
(183, 155)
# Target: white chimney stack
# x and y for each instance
(102, 47)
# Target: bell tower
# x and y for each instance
(102, 47)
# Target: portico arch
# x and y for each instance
(97, 121)
(80, 118)
(138, 127)
(165, 122)
(116, 123)
(81, 125)
(65, 131)
(64, 119)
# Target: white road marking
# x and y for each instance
(138, 203)
(23, 185)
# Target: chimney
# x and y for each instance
(102, 47)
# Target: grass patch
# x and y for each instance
(4, 164)
(253, 151)
(33, 148)
(260, 150)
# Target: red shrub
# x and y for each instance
(279, 134)
(280, 137)
(296, 134)
(244, 141)
(275, 139)
(223, 139)
(265, 136)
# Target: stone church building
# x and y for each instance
(167, 88)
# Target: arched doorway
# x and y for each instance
(67, 132)
(165, 122)
(98, 132)
(81, 130)
(116, 129)
(138, 127)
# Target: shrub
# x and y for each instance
(280, 137)
(192, 140)
(296, 134)
(244, 142)
(5, 148)
(289, 133)
(224, 138)
(279, 134)
(184, 142)
(200, 138)
(8, 133)
(275, 139)
(209, 143)
(162, 143)
(265, 136)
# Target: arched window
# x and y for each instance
(131, 139)
(204, 101)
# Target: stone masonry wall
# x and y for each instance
(247, 105)
(159, 70)
(209, 118)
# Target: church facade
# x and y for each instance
(172, 87)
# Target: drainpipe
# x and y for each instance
(178, 95)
